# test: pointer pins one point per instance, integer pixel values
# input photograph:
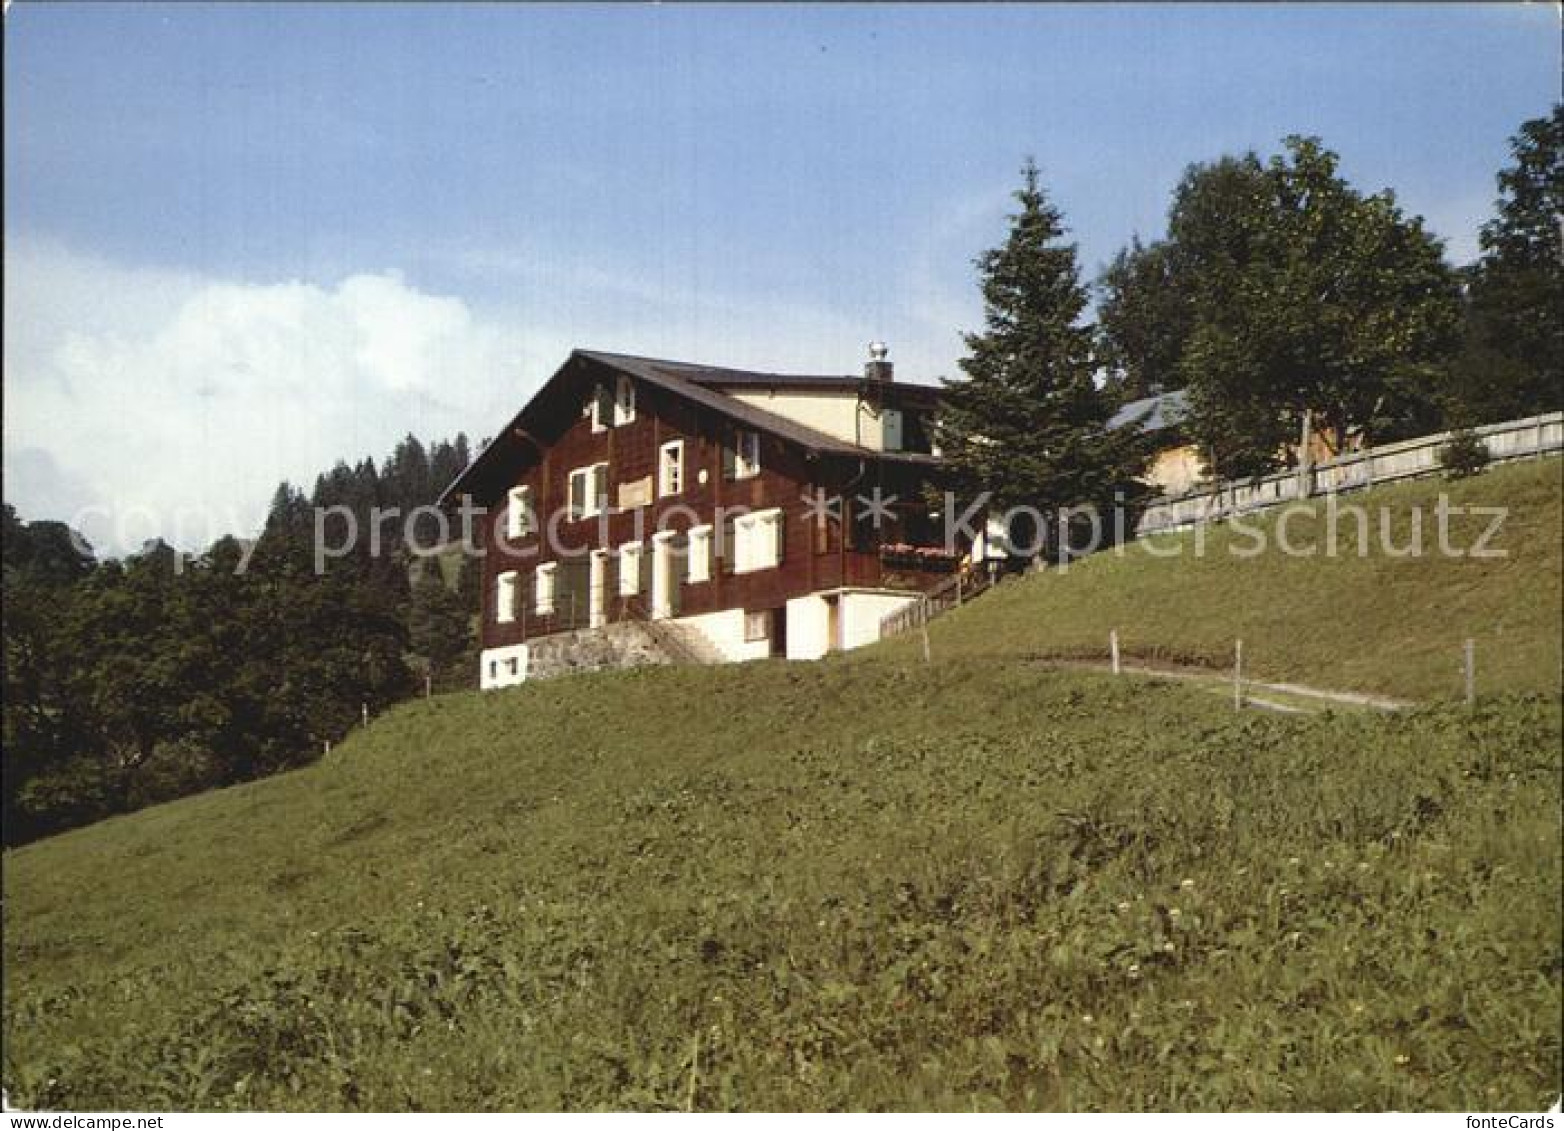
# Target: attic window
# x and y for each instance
(624, 401)
(602, 408)
(742, 460)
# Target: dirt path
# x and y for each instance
(1305, 699)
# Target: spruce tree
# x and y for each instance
(1027, 422)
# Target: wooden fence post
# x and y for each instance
(1469, 666)
(1113, 649)
(924, 621)
(1238, 674)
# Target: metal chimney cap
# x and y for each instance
(878, 350)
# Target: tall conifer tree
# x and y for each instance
(1027, 422)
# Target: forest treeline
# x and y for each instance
(133, 681)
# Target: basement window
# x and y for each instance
(757, 625)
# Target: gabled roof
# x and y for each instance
(720, 377)
(702, 385)
(1153, 414)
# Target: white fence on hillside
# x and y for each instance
(1514, 439)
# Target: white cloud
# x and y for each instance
(174, 405)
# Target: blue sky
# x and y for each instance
(259, 237)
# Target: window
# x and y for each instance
(505, 597)
(624, 401)
(519, 521)
(612, 405)
(670, 468)
(890, 422)
(515, 665)
(602, 408)
(544, 585)
(742, 461)
(698, 547)
(757, 541)
(588, 491)
(630, 569)
(757, 625)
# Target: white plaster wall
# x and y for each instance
(500, 661)
(835, 414)
(808, 627)
(861, 613)
(725, 630)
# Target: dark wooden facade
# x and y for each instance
(555, 436)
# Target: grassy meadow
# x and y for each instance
(866, 883)
(1357, 619)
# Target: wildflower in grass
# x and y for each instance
(1186, 884)
(1174, 913)
(1169, 947)
(1294, 861)
(1363, 865)
(1124, 905)
(1403, 1058)
(1086, 1019)
(1134, 970)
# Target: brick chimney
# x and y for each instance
(877, 368)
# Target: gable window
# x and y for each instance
(519, 520)
(505, 597)
(543, 586)
(630, 569)
(602, 408)
(698, 549)
(670, 468)
(742, 460)
(624, 401)
(588, 491)
(757, 541)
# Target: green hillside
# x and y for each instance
(864, 883)
(1356, 619)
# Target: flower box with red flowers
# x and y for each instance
(900, 555)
